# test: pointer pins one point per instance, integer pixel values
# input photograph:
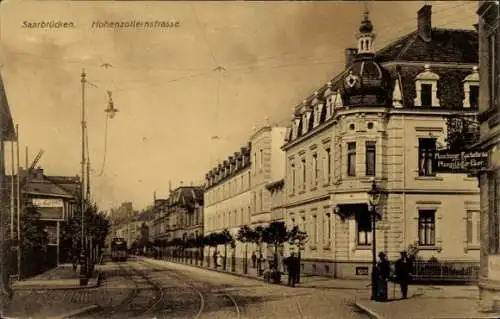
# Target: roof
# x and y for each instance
(447, 45)
(9, 133)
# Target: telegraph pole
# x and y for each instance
(19, 209)
(83, 258)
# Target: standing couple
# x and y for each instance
(402, 275)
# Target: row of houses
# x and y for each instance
(382, 118)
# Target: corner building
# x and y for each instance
(489, 179)
(383, 118)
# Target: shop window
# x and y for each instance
(363, 229)
(426, 153)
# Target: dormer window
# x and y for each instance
(471, 89)
(426, 95)
(426, 88)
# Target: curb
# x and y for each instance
(209, 269)
(78, 312)
(368, 311)
(93, 283)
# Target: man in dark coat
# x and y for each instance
(292, 265)
(403, 270)
(254, 259)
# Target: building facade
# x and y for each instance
(236, 189)
(181, 215)
(489, 118)
(383, 118)
(227, 197)
(55, 198)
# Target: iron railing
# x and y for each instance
(442, 271)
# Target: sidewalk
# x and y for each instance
(424, 301)
(61, 277)
(427, 302)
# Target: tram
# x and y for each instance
(118, 249)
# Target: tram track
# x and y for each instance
(140, 301)
(210, 301)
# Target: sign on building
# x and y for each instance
(460, 162)
(49, 208)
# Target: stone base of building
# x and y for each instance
(489, 295)
(336, 269)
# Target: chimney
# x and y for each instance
(350, 54)
(424, 27)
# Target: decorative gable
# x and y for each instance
(471, 89)
(317, 109)
(426, 88)
(338, 103)
(306, 117)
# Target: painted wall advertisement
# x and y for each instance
(460, 162)
(50, 208)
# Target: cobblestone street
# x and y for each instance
(140, 288)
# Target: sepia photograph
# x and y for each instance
(249, 159)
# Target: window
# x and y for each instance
(260, 200)
(248, 215)
(426, 227)
(293, 178)
(229, 221)
(315, 169)
(426, 151)
(249, 180)
(493, 72)
(304, 173)
(328, 226)
(255, 201)
(351, 159)
(304, 226)
(254, 162)
(260, 160)
(328, 164)
(426, 96)
(473, 228)
(474, 96)
(242, 184)
(363, 229)
(494, 218)
(242, 217)
(370, 154)
(315, 229)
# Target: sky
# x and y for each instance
(226, 68)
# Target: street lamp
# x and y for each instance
(85, 268)
(374, 198)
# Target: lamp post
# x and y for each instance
(85, 267)
(374, 197)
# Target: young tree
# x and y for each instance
(298, 238)
(34, 241)
(244, 236)
(275, 234)
(225, 238)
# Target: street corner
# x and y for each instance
(78, 312)
(365, 307)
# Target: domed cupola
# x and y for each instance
(365, 81)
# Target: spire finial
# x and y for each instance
(366, 10)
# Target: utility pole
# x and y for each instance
(83, 257)
(19, 209)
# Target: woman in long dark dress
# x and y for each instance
(383, 272)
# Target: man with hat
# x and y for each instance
(403, 272)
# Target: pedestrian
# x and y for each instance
(215, 259)
(219, 260)
(383, 272)
(260, 264)
(403, 270)
(254, 259)
(292, 263)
